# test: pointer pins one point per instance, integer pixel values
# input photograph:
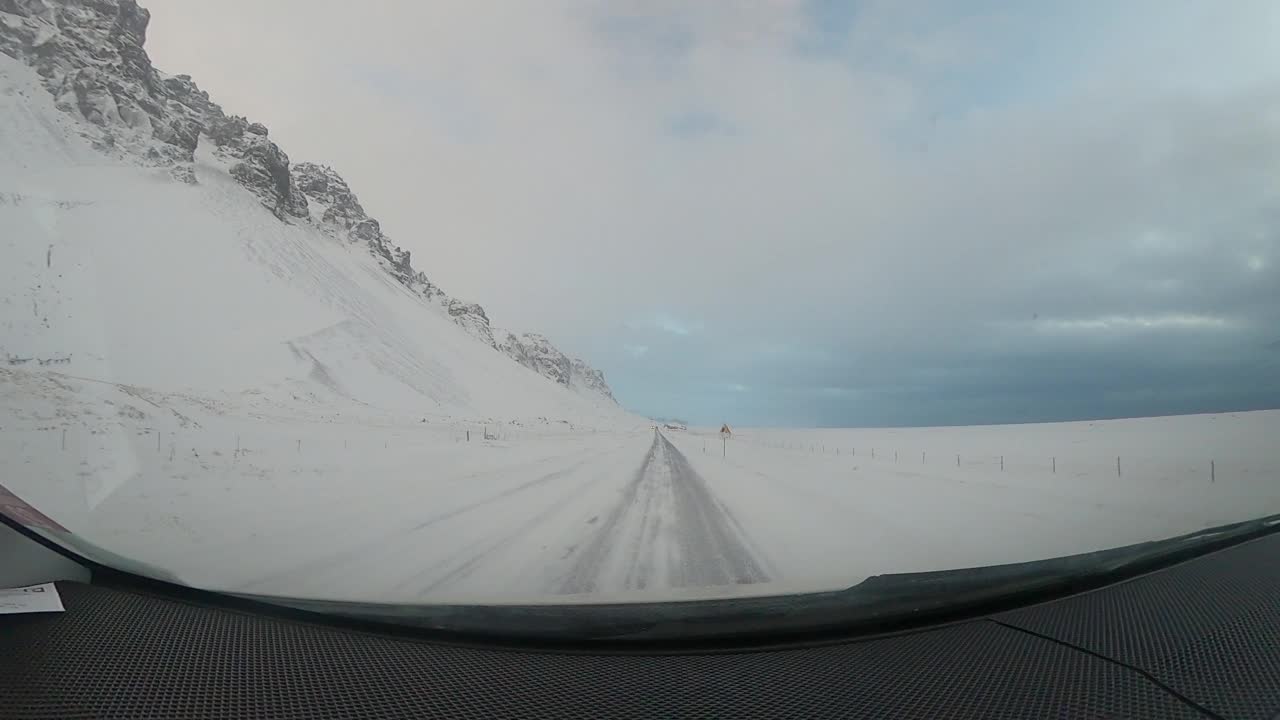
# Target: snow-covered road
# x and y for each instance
(666, 530)
(627, 514)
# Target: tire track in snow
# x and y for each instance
(667, 518)
(490, 547)
(711, 547)
(593, 555)
(334, 560)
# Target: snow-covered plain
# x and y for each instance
(822, 504)
(385, 509)
(252, 405)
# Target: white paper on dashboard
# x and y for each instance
(30, 599)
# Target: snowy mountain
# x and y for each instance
(139, 171)
(151, 238)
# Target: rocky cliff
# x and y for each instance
(90, 56)
(538, 354)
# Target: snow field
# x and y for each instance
(828, 518)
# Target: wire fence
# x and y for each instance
(173, 444)
(331, 441)
(1066, 464)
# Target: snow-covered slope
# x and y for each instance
(150, 239)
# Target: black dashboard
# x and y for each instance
(1200, 639)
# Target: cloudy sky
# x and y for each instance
(809, 212)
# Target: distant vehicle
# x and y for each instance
(675, 426)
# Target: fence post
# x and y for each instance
(957, 459)
(1213, 475)
(237, 452)
(299, 444)
(1117, 466)
(64, 438)
(1001, 463)
(157, 441)
(1055, 465)
(468, 436)
(921, 457)
(895, 456)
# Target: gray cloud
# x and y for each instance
(786, 213)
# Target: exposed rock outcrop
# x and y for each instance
(538, 354)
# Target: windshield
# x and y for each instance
(431, 303)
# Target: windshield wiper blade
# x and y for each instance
(1102, 564)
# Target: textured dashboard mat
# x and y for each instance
(1209, 628)
(116, 654)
